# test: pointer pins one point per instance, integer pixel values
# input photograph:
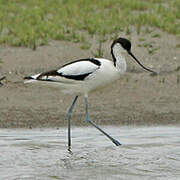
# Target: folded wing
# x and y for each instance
(77, 70)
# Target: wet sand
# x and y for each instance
(137, 98)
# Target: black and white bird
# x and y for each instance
(85, 75)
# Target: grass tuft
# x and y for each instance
(34, 23)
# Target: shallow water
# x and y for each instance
(145, 153)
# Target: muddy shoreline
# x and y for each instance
(138, 98)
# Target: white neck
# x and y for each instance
(119, 59)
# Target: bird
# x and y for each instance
(80, 77)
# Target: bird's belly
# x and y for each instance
(100, 80)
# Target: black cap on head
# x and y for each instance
(125, 43)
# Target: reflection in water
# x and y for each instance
(146, 153)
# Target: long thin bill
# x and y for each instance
(130, 53)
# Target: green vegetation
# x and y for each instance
(178, 68)
(150, 46)
(1, 61)
(152, 50)
(34, 22)
(157, 35)
(178, 46)
(99, 50)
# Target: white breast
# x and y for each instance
(106, 74)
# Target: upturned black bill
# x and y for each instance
(131, 54)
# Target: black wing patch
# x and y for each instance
(48, 73)
(79, 77)
(92, 60)
(28, 77)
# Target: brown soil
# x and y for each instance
(137, 98)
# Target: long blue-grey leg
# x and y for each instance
(69, 122)
(117, 143)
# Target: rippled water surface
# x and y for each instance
(146, 153)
